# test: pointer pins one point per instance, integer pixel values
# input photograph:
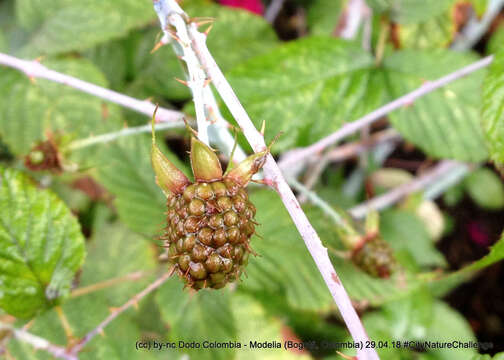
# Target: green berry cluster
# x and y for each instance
(208, 233)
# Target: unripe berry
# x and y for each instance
(209, 223)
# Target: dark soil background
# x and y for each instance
(481, 300)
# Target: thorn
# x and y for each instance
(194, 132)
(172, 270)
(182, 82)
(187, 272)
(207, 81)
(135, 304)
(39, 59)
(101, 332)
(211, 114)
(275, 139)
(156, 47)
(113, 309)
(259, 236)
(173, 34)
(207, 31)
(266, 182)
(263, 127)
(201, 20)
(149, 99)
(247, 245)
(408, 104)
(204, 284)
(32, 79)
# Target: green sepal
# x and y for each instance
(243, 172)
(170, 179)
(204, 162)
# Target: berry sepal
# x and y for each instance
(204, 162)
(168, 177)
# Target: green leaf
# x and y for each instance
(453, 195)
(322, 16)
(14, 35)
(479, 6)
(441, 285)
(296, 91)
(420, 320)
(111, 59)
(113, 252)
(3, 42)
(486, 189)
(363, 287)
(410, 11)
(495, 44)
(65, 25)
(41, 246)
(284, 266)
(448, 325)
(410, 318)
(499, 356)
(203, 316)
(125, 170)
(254, 324)
(28, 110)
(406, 233)
(435, 32)
(493, 108)
(444, 123)
(307, 88)
(251, 35)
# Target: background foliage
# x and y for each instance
(109, 207)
